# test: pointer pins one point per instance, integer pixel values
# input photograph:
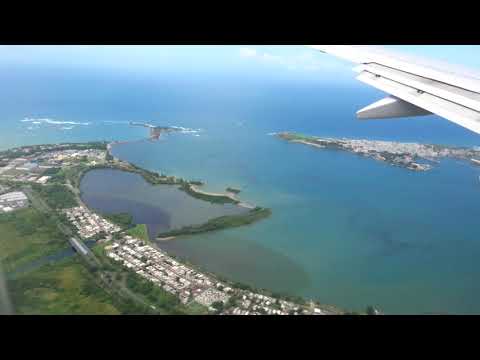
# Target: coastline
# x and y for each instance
(254, 213)
(195, 189)
(411, 156)
(170, 238)
(191, 187)
(73, 169)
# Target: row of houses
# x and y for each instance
(89, 224)
(176, 278)
(191, 285)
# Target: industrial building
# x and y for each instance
(13, 201)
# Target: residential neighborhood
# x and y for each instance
(88, 223)
(190, 284)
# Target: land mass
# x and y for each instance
(123, 273)
(233, 190)
(411, 156)
(220, 223)
(157, 131)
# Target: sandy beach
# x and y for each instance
(197, 190)
(308, 143)
(227, 194)
(166, 238)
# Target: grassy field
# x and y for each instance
(140, 232)
(66, 287)
(74, 174)
(56, 196)
(124, 220)
(26, 235)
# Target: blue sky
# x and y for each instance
(278, 61)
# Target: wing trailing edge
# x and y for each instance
(391, 107)
(418, 87)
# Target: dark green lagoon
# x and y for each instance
(160, 207)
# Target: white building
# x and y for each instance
(13, 196)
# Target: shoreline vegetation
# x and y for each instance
(219, 223)
(74, 175)
(188, 186)
(254, 213)
(139, 231)
(214, 198)
(233, 190)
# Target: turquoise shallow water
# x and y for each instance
(345, 230)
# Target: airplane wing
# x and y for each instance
(416, 86)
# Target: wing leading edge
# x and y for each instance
(416, 86)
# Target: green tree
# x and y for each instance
(371, 310)
(218, 306)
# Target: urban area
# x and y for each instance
(406, 155)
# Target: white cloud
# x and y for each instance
(248, 52)
(302, 61)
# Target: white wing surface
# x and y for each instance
(417, 86)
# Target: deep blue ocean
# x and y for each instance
(345, 230)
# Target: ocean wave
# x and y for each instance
(185, 130)
(53, 122)
(113, 122)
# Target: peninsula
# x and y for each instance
(411, 156)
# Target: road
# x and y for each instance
(103, 278)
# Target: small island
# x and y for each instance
(411, 156)
(156, 131)
(214, 198)
(220, 223)
(233, 190)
